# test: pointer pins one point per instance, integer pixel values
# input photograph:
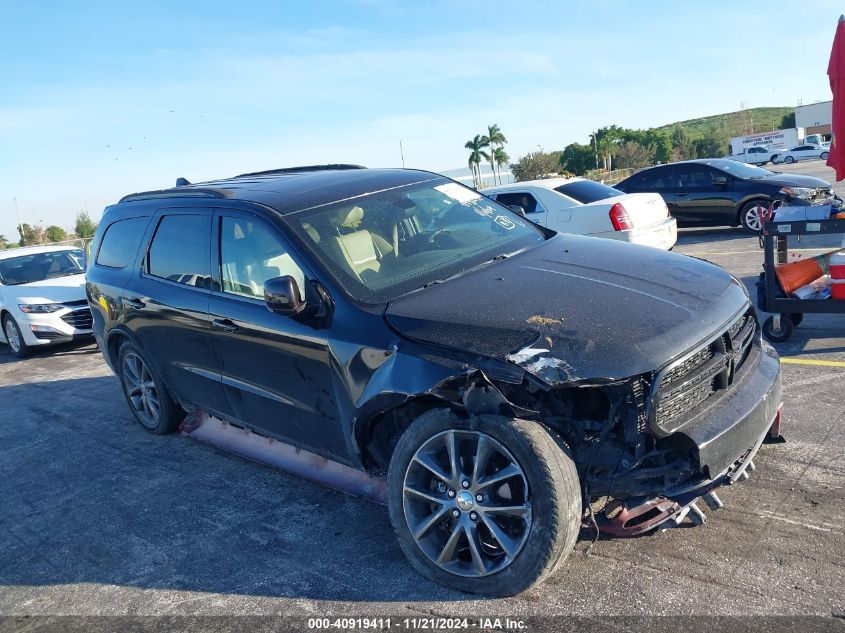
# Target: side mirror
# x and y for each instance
(720, 181)
(282, 296)
(517, 209)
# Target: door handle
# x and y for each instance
(682, 193)
(135, 303)
(224, 324)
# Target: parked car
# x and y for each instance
(757, 155)
(721, 192)
(802, 152)
(586, 207)
(42, 297)
(499, 375)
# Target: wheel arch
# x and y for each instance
(376, 435)
(756, 197)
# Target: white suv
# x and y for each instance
(42, 297)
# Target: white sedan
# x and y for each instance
(42, 297)
(586, 207)
(802, 152)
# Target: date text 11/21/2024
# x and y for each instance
(417, 624)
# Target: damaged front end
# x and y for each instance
(649, 447)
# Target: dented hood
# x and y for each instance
(600, 309)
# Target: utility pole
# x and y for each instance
(20, 222)
(402, 153)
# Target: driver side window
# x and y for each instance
(250, 254)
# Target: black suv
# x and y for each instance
(720, 191)
(499, 376)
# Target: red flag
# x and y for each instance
(836, 73)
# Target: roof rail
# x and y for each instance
(174, 193)
(294, 170)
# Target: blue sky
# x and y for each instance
(99, 99)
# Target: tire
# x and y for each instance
(542, 494)
(146, 392)
(824, 155)
(796, 318)
(14, 338)
(748, 217)
(789, 160)
(786, 329)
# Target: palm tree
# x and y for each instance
(500, 156)
(496, 140)
(607, 149)
(476, 153)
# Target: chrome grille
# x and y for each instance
(711, 369)
(80, 319)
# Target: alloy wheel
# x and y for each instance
(141, 390)
(13, 338)
(752, 217)
(466, 502)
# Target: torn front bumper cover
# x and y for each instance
(747, 418)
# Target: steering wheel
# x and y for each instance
(437, 234)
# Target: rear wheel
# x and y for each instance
(824, 155)
(14, 338)
(751, 214)
(146, 393)
(487, 506)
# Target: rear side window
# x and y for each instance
(181, 250)
(586, 191)
(521, 199)
(120, 243)
(652, 180)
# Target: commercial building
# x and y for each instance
(815, 118)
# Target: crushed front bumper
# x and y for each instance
(727, 439)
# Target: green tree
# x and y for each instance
(495, 139)
(500, 156)
(714, 143)
(55, 233)
(4, 242)
(633, 155)
(682, 144)
(787, 121)
(535, 165)
(30, 235)
(577, 158)
(84, 226)
(476, 148)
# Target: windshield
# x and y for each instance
(587, 191)
(385, 244)
(741, 170)
(27, 269)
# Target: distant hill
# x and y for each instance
(735, 123)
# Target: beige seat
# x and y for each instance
(362, 250)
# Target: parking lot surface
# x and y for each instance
(99, 517)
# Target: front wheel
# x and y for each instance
(490, 505)
(789, 160)
(14, 338)
(824, 155)
(751, 214)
